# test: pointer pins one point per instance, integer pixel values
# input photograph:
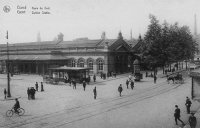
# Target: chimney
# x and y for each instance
(38, 37)
(103, 35)
(120, 35)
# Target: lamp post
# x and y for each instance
(8, 69)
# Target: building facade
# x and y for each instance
(101, 55)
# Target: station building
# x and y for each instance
(100, 55)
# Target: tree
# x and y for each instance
(164, 44)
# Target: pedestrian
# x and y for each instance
(94, 77)
(120, 89)
(88, 80)
(188, 105)
(146, 74)
(84, 85)
(28, 93)
(70, 82)
(32, 93)
(192, 120)
(42, 87)
(36, 86)
(127, 82)
(74, 84)
(95, 92)
(177, 115)
(132, 85)
(101, 75)
(155, 78)
(5, 93)
(104, 76)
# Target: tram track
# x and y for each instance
(89, 110)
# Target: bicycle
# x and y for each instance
(20, 112)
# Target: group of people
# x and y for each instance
(192, 119)
(128, 82)
(131, 83)
(31, 90)
(37, 86)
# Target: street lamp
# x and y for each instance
(8, 69)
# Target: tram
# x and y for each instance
(65, 74)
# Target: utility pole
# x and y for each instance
(8, 69)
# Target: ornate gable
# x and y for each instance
(120, 45)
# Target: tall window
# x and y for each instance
(90, 64)
(100, 64)
(73, 63)
(80, 63)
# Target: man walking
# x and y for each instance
(36, 86)
(5, 93)
(155, 78)
(127, 82)
(120, 89)
(94, 77)
(28, 93)
(192, 120)
(177, 115)
(74, 84)
(132, 85)
(188, 104)
(84, 85)
(42, 87)
(95, 92)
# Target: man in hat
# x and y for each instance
(120, 89)
(132, 84)
(177, 115)
(192, 120)
(84, 85)
(188, 104)
(16, 106)
(95, 92)
(127, 83)
(36, 86)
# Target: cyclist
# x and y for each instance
(16, 106)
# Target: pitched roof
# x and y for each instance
(62, 44)
(108, 42)
(80, 43)
(34, 57)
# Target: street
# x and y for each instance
(148, 105)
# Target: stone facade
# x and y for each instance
(102, 55)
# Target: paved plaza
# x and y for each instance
(148, 105)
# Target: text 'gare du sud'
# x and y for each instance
(34, 10)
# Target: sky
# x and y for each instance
(89, 18)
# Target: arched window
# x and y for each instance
(81, 63)
(90, 64)
(100, 64)
(73, 63)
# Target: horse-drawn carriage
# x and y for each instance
(176, 78)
